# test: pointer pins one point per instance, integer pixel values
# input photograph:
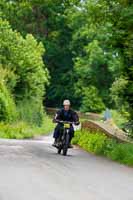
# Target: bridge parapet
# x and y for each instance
(109, 129)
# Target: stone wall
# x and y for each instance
(108, 128)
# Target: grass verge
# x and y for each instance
(22, 130)
(98, 143)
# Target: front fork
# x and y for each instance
(65, 137)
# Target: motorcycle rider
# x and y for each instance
(65, 114)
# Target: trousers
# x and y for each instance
(58, 130)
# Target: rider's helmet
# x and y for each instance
(66, 102)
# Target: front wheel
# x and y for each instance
(59, 150)
(65, 147)
(65, 151)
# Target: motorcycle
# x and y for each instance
(64, 138)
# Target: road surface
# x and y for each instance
(31, 170)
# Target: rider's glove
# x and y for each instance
(77, 123)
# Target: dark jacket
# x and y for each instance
(69, 115)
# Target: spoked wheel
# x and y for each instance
(65, 151)
(59, 150)
(65, 147)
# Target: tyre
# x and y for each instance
(65, 151)
(59, 150)
(65, 147)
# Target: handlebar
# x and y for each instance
(66, 122)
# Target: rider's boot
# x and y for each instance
(70, 146)
(55, 143)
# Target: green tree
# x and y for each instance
(22, 58)
(47, 21)
(101, 45)
(88, 43)
(91, 101)
(8, 111)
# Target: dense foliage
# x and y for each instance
(89, 52)
(23, 75)
(47, 21)
(100, 144)
(102, 47)
(22, 130)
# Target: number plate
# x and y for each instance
(67, 125)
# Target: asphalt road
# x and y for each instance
(31, 170)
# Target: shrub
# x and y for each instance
(77, 137)
(128, 128)
(110, 144)
(30, 111)
(20, 130)
(93, 142)
(7, 105)
(15, 131)
(99, 143)
(122, 153)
